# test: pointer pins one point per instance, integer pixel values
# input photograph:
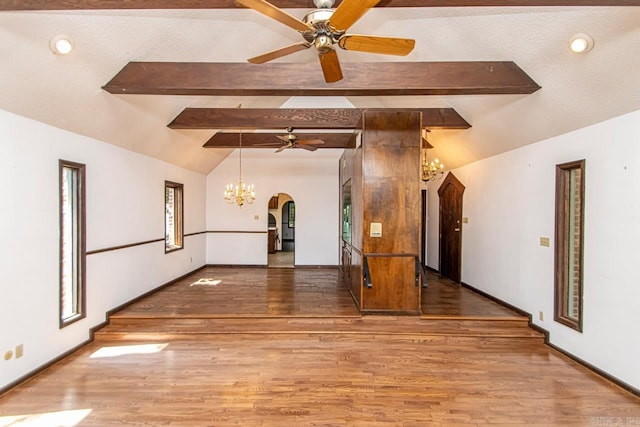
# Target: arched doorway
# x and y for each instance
(281, 240)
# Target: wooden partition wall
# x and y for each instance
(380, 186)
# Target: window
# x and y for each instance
(173, 225)
(72, 242)
(569, 243)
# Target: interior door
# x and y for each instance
(450, 193)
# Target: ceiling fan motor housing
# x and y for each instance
(324, 36)
(318, 17)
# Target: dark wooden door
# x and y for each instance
(271, 241)
(450, 193)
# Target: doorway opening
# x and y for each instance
(281, 231)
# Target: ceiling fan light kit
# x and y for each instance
(324, 28)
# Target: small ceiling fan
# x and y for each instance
(325, 28)
(291, 140)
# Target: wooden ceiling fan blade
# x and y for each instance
(280, 149)
(266, 144)
(279, 53)
(276, 13)
(376, 44)
(310, 142)
(330, 66)
(307, 147)
(349, 12)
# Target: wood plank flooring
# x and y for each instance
(378, 325)
(323, 380)
(251, 292)
(281, 260)
(180, 358)
(445, 298)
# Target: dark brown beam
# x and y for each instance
(304, 4)
(298, 79)
(249, 140)
(302, 118)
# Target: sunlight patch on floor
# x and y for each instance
(123, 350)
(206, 282)
(47, 419)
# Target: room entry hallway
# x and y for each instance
(286, 347)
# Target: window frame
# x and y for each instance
(179, 228)
(562, 264)
(79, 243)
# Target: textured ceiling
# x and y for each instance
(65, 91)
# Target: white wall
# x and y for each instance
(510, 202)
(310, 178)
(125, 204)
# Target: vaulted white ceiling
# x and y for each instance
(65, 91)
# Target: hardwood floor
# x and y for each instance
(174, 360)
(281, 260)
(251, 292)
(445, 298)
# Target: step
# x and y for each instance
(377, 325)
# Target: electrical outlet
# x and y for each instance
(190, 259)
(19, 351)
(8, 355)
(541, 316)
(256, 217)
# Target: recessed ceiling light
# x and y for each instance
(581, 43)
(61, 45)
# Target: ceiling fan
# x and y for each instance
(325, 28)
(290, 140)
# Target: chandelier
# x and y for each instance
(431, 170)
(242, 193)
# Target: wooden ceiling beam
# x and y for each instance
(303, 4)
(302, 118)
(251, 140)
(306, 79)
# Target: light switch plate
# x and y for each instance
(544, 241)
(375, 230)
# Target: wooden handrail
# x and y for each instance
(419, 270)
